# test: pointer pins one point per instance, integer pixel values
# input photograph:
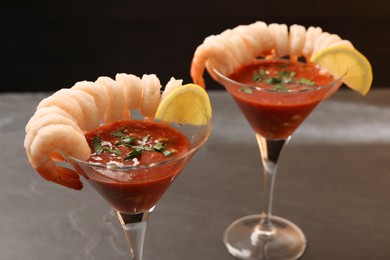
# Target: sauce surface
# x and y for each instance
(133, 142)
(139, 189)
(276, 113)
(273, 74)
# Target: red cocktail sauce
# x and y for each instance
(135, 190)
(276, 114)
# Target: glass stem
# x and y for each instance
(270, 151)
(134, 226)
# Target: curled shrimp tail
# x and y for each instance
(55, 156)
(60, 175)
(61, 139)
(197, 68)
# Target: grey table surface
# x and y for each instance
(333, 182)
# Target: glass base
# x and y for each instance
(284, 240)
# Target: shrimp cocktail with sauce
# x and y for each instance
(277, 75)
(126, 137)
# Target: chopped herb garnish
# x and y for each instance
(118, 133)
(138, 145)
(112, 150)
(280, 80)
(292, 74)
(159, 146)
(283, 73)
(126, 141)
(167, 152)
(97, 145)
(259, 75)
(133, 154)
(274, 80)
(147, 148)
(99, 148)
(145, 138)
(246, 90)
(306, 81)
(129, 140)
(280, 86)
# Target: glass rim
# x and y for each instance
(308, 89)
(113, 167)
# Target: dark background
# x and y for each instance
(51, 45)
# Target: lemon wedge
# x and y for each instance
(188, 104)
(348, 64)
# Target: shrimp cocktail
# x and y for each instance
(126, 137)
(277, 75)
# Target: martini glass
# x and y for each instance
(274, 115)
(133, 191)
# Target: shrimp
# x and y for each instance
(343, 43)
(151, 88)
(43, 112)
(280, 34)
(171, 85)
(37, 122)
(267, 40)
(252, 41)
(132, 87)
(319, 40)
(67, 104)
(326, 42)
(115, 109)
(218, 40)
(66, 139)
(239, 46)
(97, 91)
(217, 56)
(40, 113)
(312, 34)
(87, 105)
(296, 40)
